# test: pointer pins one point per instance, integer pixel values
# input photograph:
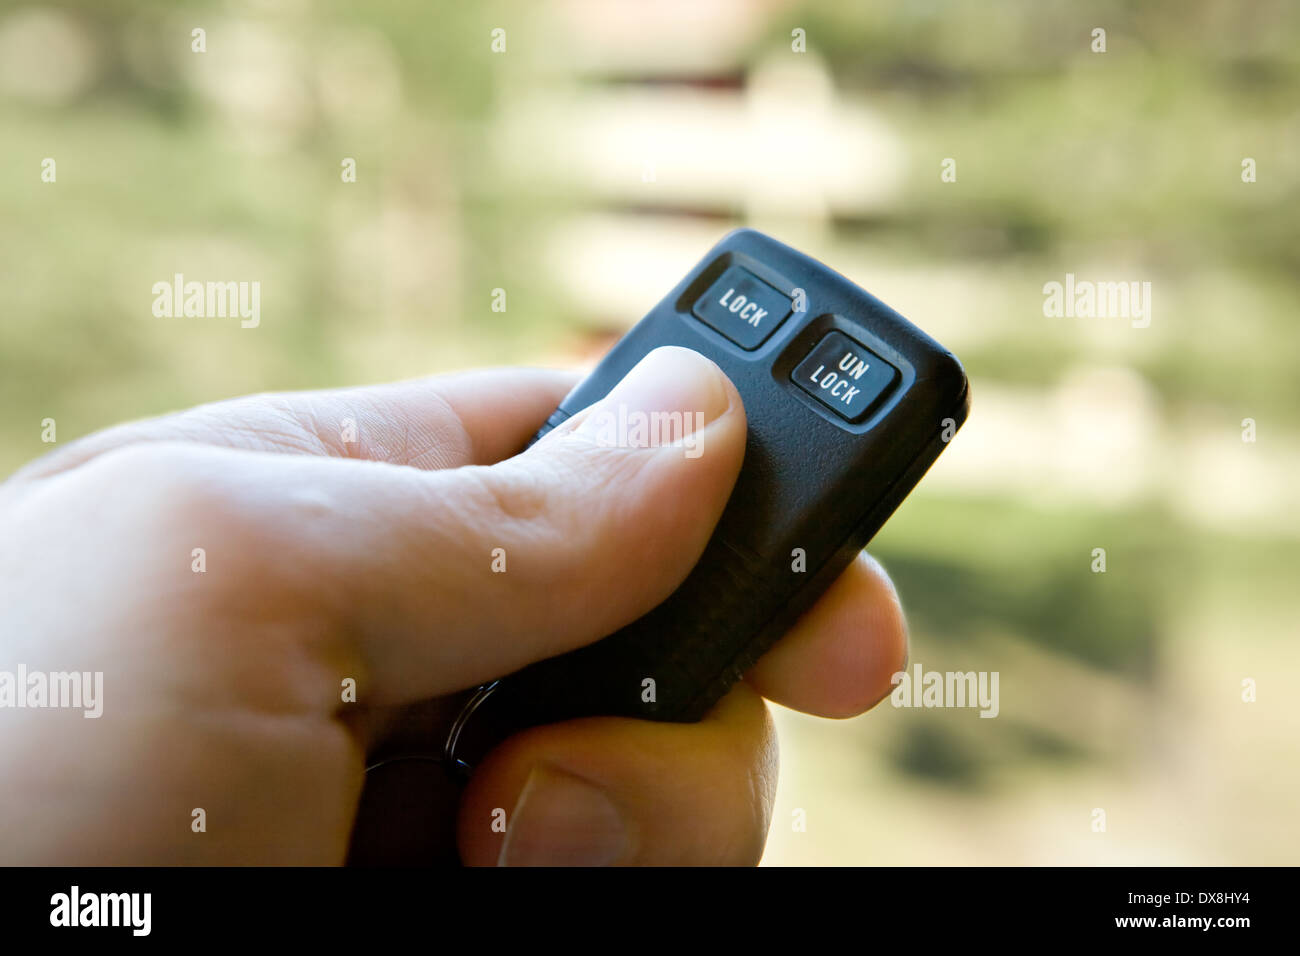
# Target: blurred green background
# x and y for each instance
(588, 165)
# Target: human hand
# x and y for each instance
(324, 560)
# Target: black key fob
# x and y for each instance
(848, 405)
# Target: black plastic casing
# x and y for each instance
(812, 483)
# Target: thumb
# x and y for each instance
(559, 546)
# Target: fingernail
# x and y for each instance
(679, 386)
(561, 820)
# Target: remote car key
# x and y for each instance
(848, 404)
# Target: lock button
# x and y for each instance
(844, 376)
(742, 307)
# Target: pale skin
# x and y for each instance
(372, 560)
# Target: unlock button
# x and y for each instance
(844, 376)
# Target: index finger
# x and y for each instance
(468, 418)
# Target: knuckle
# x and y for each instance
(516, 495)
(546, 510)
(175, 488)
